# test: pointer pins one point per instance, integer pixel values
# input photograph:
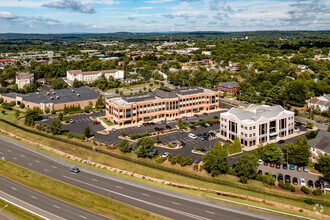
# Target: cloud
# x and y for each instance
(72, 5)
(144, 8)
(131, 18)
(7, 15)
(182, 15)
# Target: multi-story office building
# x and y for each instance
(256, 124)
(160, 104)
(91, 76)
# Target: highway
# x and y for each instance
(163, 202)
(53, 208)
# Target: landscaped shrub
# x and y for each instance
(317, 192)
(281, 184)
(287, 186)
(309, 201)
(267, 179)
(305, 190)
(159, 160)
(170, 146)
(137, 136)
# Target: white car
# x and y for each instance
(306, 169)
(326, 186)
(71, 121)
(296, 129)
(138, 126)
(260, 161)
(191, 135)
(302, 182)
(165, 155)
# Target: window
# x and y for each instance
(254, 127)
(246, 128)
(250, 135)
(242, 126)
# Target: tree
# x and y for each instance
(87, 131)
(77, 84)
(31, 115)
(309, 125)
(117, 91)
(123, 146)
(271, 153)
(323, 166)
(235, 147)
(55, 127)
(16, 114)
(157, 139)
(215, 161)
(99, 103)
(297, 92)
(302, 152)
(123, 133)
(57, 84)
(47, 110)
(22, 105)
(196, 147)
(246, 167)
(121, 93)
(144, 146)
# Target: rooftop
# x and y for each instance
(76, 72)
(229, 85)
(24, 75)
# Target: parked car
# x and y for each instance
(296, 129)
(154, 152)
(215, 117)
(299, 169)
(205, 113)
(287, 179)
(317, 184)
(138, 126)
(310, 184)
(319, 121)
(168, 127)
(180, 131)
(265, 164)
(217, 130)
(202, 150)
(260, 161)
(182, 144)
(71, 121)
(157, 129)
(326, 186)
(193, 127)
(165, 155)
(260, 172)
(96, 122)
(207, 125)
(280, 177)
(278, 166)
(280, 141)
(285, 166)
(291, 166)
(201, 138)
(302, 182)
(306, 169)
(272, 164)
(295, 180)
(74, 170)
(191, 135)
(113, 129)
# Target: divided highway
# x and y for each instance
(167, 203)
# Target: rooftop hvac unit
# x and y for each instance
(78, 94)
(48, 93)
(57, 97)
(53, 93)
(72, 90)
(51, 98)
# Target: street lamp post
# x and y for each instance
(3, 207)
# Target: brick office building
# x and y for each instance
(229, 87)
(162, 103)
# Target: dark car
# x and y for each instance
(295, 180)
(205, 113)
(280, 141)
(265, 164)
(287, 179)
(168, 127)
(280, 177)
(310, 184)
(182, 144)
(157, 129)
(193, 127)
(278, 166)
(260, 172)
(202, 150)
(285, 166)
(74, 169)
(319, 121)
(153, 152)
(215, 117)
(317, 184)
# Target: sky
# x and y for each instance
(107, 16)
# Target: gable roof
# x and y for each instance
(228, 85)
(321, 141)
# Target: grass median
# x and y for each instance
(14, 211)
(136, 168)
(73, 195)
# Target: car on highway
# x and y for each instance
(191, 135)
(280, 177)
(291, 166)
(74, 170)
(317, 184)
(165, 155)
(96, 123)
(302, 182)
(287, 179)
(306, 169)
(295, 180)
(278, 166)
(310, 184)
(285, 166)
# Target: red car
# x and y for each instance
(177, 119)
(272, 164)
(96, 122)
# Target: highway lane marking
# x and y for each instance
(33, 197)
(30, 164)
(210, 212)
(56, 206)
(13, 188)
(37, 161)
(1, 153)
(94, 179)
(54, 167)
(14, 158)
(145, 194)
(22, 155)
(143, 201)
(82, 217)
(175, 203)
(46, 170)
(119, 187)
(9, 150)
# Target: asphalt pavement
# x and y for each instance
(167, 203)
(49, 207)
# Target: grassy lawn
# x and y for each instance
(136, 168)
(105, 120)
(10, 115)
(73, 195)
(16, 212)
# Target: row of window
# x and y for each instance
(250, 135)
(248, 128)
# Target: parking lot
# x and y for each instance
(292, 173)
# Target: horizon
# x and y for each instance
(161, 16)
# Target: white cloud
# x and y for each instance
(7, 15)
(144, 8)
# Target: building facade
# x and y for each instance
(256, 124)
(229, 87)
(91, 76)
(322, 103)
(162, 103)
(54, 100)
(24, 78)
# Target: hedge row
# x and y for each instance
(137, 136)
(163, 168)
(203, 122)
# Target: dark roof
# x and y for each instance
(64, 95)
(321, 141)
(165, 93)
(139, 97)
(228, 85)
(189, 90)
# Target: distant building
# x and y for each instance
(24, 78)
(4, 62)
(256, 124)
(229, 87)
(55, 99)
(323, 102)
(162, 103)
(91, 76)
(206, 52)
(319, 144)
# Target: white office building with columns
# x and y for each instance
(256, 124)
(91, 76)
